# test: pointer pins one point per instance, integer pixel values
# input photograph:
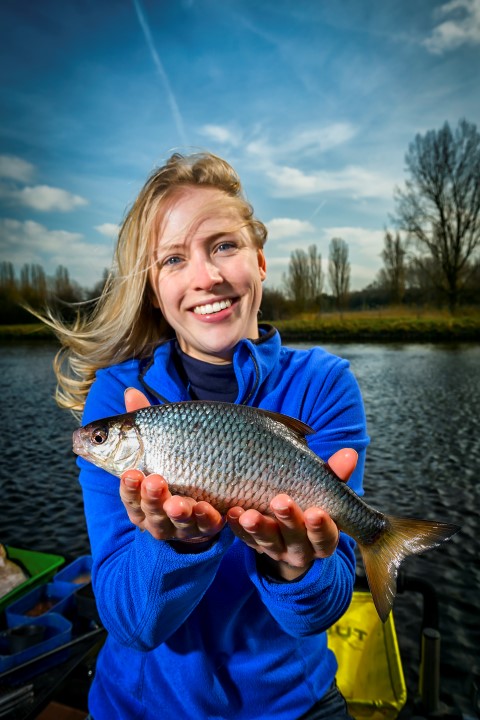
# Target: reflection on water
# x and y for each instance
(38, 472)
(422, 410)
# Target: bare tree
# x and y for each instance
(315, 275)
(33, 284)
(393, 275)
(304, 281)
(339, 271)
(7, 278)
(440, 205)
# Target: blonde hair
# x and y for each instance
(124, 323)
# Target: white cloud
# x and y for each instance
(110, 230)
(15, 168)
(320, 139)
(355, 181)
(33, 243)
(463, 27)
(307, 141)
(29, 237)
(279, 228)
(220, 134)
(45, 198)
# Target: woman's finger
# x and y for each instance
(130, 494)
(263, 530)
(233, 519)
(209, 520)
(292, 528)
(322, 532)
(135, 400)
(343, 463)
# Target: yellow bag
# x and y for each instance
(370, 673)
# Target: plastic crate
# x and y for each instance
(78, 572)
(57, 632)
(60, 593)
(40, 566)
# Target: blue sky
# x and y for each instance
(314, 102)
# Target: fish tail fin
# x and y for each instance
(400, 538)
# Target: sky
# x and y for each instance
(314, 103)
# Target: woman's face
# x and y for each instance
(206, 277)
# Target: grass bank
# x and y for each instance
(389, 325)
(25, 332)
(382, 326)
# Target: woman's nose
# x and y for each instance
(206, 274)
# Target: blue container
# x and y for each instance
(79, 571)
(55, 597)
(19, 643)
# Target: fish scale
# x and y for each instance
(223, 471)
(234, 455)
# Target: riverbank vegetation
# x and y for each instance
(394, 324)
(383, 325)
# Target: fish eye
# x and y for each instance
(99, 435)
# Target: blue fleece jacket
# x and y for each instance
(205, 635)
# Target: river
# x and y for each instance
(422, 404)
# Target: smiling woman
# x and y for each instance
(197, 598)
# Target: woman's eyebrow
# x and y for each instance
(169, 248)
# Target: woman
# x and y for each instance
(208, 617)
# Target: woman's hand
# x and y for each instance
(291, 540)
(151, 506)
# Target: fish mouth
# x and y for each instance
(213, 307)
(77, 444)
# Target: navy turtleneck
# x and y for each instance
(207, 381)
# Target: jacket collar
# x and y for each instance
(253, 360)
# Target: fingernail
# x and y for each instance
(282, 511)
(131, 481)
(153, 490)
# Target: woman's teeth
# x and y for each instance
(210, 309)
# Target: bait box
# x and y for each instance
(77, 572)
(40, 566)
(56, 632)
(60, 593)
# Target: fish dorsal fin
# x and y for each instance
(296, 426)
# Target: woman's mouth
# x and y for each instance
(212, 308)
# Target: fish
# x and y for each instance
(236, 455)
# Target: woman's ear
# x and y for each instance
(262, 264)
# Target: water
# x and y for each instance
(422, 405)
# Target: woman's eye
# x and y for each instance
(174, 260)
(226, 246)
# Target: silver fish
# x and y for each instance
(234, 455)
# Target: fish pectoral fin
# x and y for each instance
(401, 538)
(297, 426)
